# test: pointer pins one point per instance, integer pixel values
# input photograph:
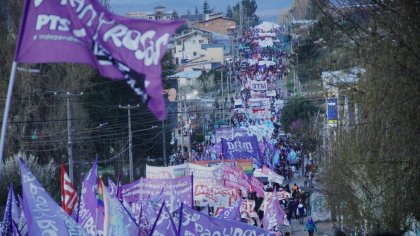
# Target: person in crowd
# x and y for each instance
(300, 212)
(310, 226)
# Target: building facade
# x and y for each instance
(159, 13)
(218, 24)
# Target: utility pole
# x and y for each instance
(68, 95)
(223, 96)
(130, 140)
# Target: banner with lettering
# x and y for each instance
(173, 191)
(240, 148)
(168, 172)
(196, 223)
(86, 32)
(164, 223)
(236, 178)
(259, 85)
(43, 215)
(214, 196)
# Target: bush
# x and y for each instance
(10, 173)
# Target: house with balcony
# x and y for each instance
(189, 46)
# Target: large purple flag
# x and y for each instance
(273, 214)
(164, 223)
(241, 147)
(86, 32)
(233, 212)
(117, 220)
(90, 217)
(195, 223)
(43, 215)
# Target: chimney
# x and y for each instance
(206, 16)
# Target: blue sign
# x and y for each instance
(332, 111)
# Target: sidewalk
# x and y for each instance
(324, 228)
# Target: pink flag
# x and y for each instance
(85, 32)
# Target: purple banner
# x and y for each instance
(175, 191)
(117, 221)
(90, 217)
(273, 214)
(240, 147)
(195, 223)
(43, 215)
(86, 32)
(233, 212)
(164, 224)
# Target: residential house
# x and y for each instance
(189, 46)
(219, 24)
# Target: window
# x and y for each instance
(194, 41)
(194, 53)
(179, 42)
(201, 41)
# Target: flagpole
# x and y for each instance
(6, 111)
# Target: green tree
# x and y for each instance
(229, 12)
(206, 7)
(249, 8)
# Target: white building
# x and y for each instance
(189, 46)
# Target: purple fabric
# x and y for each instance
(117, 221)
(273, 214)
(164, 224)
(241, 147)
(43, 215)
(233, 212)
(85, 32)
(256, 186)
(175, 191)
(195, 223)
(91, 219)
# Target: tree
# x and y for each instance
(196, 11)
(229, 12)
(206, 7)
(188, 12)
(373, 158)
(249, 7)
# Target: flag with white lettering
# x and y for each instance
(69, 196)
(164, 223)
(86, 32)
(43, 215)
(233, 212)
(90, 217)
(7, 224)
(274, 214)
(117, 220)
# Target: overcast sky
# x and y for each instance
(268, 10)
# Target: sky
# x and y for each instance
(268, 10)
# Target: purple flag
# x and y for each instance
(164, 223)
(194, 223)
(273, 214)
(233, 212)
(241, 147)
(90, 217)
(117, 221)
(43, 215)
(86, 32)
(112, 188)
